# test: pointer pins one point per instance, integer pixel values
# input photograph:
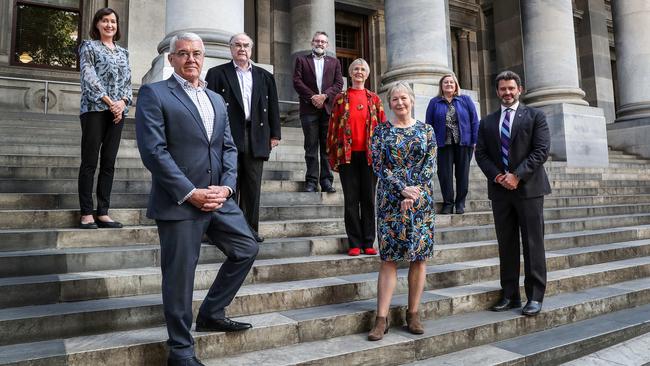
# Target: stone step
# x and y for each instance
(89, 285)
(59, 161)
(11, 239)
(68, 150)
(47, 321)
(631, 352)
(336, 334)
(44, 219)
(566, 342)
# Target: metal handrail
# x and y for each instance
(45, 99)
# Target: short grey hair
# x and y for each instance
(400, 86)
(185, 36)
(357, 62)
(230, 42)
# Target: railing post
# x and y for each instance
(46, 97)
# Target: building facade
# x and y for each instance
(585, 62)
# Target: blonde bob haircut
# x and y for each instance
(356, 62)
(400, 86)
(456, 92)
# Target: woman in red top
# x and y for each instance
(355, 113)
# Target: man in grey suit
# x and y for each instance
(184, 139)
(513, 144)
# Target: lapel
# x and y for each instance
(256, 75)
(215, 107)
(312, 67)
(494, 127)
(177, 90)
(517, 121)
(233, 80)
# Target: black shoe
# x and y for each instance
(184, 362)
(310, 187)
(328, 189)
(506, 304)
(220, 325)
(532, 308)
(460, 210)
(90, 225)
(446, 210)
(109, 224)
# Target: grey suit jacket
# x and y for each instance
(529, 149)
(175, 148)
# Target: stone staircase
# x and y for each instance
(92, 297)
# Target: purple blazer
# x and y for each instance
(304, 81)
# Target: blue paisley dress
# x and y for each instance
(404, 157)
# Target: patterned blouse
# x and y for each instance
(103, 72)
(451, 122)
(339, 135)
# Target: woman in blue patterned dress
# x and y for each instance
(404, 160)
(105, 96)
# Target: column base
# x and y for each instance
(631, 136)
(578, 134)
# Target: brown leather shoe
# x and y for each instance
(381, 328)
(413, 323)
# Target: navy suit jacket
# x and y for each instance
(175, 148)
(530, 143)
(304, 82)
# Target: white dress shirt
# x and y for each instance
(513, 111)
(319, 65)
(245, 78)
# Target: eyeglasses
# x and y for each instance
(241, 45)
(317, 41)
(185, 55)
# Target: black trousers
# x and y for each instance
(448, 156)
(514, 216)
(180, 244)
(359, 184)
(314, 127)
(100, 140)
(249, 183)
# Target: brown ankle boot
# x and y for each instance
(381, 328)
(413, 323)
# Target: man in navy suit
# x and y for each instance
(317, 79)
(184, 140)
(252, 101)
(513, 144)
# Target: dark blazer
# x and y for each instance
(529, 149)
(304, 82)
(175, 148)
(265, 115)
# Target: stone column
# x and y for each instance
(464, 62)
(594, 57)
(550, 53)
(631, 131)
(225, 18)
(418, 47)
(578, 132)
(307, 17)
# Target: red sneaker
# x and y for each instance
(353, 252)
(370, 251)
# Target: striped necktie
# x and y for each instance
(505, 139)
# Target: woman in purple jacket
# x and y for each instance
(455, 122)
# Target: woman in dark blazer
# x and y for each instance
(105, 97)
(455, 122)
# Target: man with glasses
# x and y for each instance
(184, 140)
(252, 102)
(317, 79)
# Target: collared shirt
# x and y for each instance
(319, 65)
(513, 111)
(201, 101)
(245, 78)
(103, 71)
